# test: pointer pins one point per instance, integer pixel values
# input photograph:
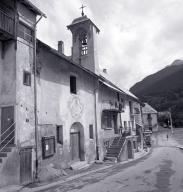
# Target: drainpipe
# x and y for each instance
(96, 123)
(35, 95)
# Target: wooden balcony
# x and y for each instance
(7, 26)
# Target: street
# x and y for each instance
(159, 171)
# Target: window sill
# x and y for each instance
(108, 128)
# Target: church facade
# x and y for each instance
(58, 110)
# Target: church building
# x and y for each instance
(58, 110)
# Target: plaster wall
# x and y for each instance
(24, 95)
(125, 116)
(57, 106)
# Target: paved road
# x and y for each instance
(160, 171)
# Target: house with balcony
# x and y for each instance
(58, 110)
(17, 120)
(150, 118)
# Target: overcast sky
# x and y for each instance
(137, 38)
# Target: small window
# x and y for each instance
(149, 116)
(118, 97)
(73, 84)
(60, 134)
(48, 146)
(27, 78)
(125, 124)
(129, 124)
(25, 32)
(91, 131)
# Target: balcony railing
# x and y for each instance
(7, 23)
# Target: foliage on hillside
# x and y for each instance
(164, 91)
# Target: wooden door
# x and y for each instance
(7, 120)
(26, 166)
(75, 152)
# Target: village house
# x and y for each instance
(150, 118)
(58, 110)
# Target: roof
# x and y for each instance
(81, 20)
(66, 58)
(101, 78)
(32, 7)
(148, 109)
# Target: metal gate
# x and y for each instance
(25, 166)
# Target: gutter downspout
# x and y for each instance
(96, 123)
(35, 96)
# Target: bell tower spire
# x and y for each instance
(84, 42)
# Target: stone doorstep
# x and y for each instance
(79, 165)
(56, 183)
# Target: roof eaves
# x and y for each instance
(32, 7)
(68, 59)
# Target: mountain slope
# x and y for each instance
(164, 90)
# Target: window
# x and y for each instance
(118, 97)
(129, 124)
(149, 116)
(125, 124)
(91, 131)
(27, 78)
(25, 32)
(131, 107)
(109, 120)
(59, 134)
(84, 44)
(48, 146)
(73, 84)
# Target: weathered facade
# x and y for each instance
(17, 125)
(150, 118)
(63, 112)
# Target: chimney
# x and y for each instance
(61, 47)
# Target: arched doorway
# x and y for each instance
(129, 147)
(77, 142)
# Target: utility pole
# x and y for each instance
(170, 116)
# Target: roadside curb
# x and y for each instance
(71, 178)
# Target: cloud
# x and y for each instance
(137, 38)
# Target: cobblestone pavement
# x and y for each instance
(160, 171)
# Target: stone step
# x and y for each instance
(79, 165)
(111, 159)
(112, 155)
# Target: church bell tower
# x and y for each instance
(84, 42)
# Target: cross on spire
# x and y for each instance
(82, 7)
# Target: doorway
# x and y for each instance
(77, 142)
(75, 146)
(7, 125)
(129, 148)
(26, 166)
